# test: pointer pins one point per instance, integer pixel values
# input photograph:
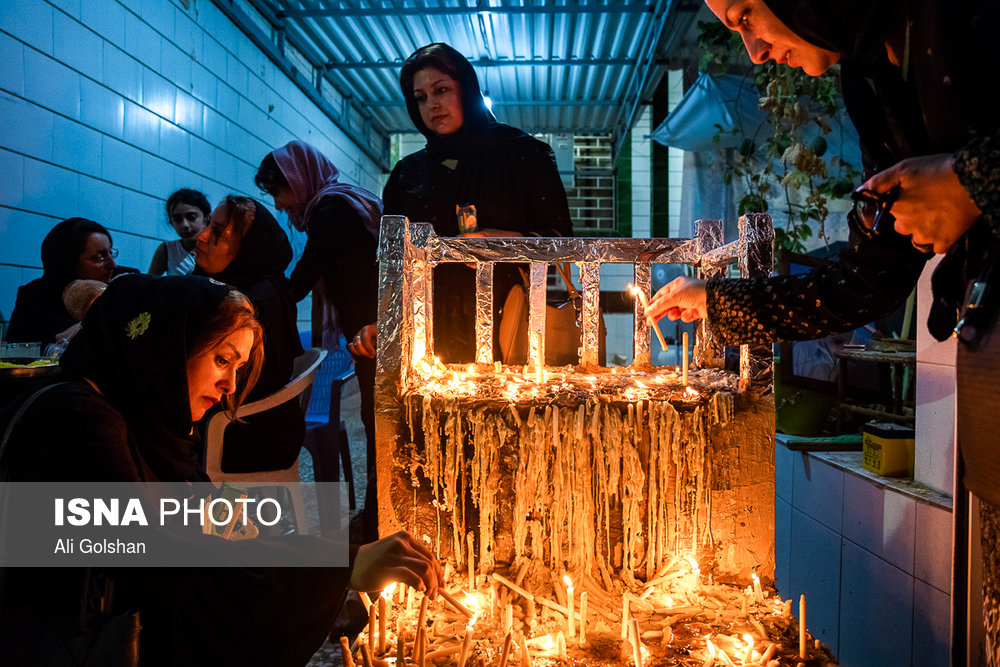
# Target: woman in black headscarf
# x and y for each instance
(918, 83)
(476, 177)
(244, 246)
(74, 249)
(153, 356)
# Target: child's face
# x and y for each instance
(187, 220)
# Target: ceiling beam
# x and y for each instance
(489, 62)
(388, 12)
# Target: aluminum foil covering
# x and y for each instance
(640, 335)
(756, 258)
(408, 253)
(484, 313)
(710, 235)
(590, 278)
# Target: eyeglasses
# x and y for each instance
(870, 211)
(102, 257)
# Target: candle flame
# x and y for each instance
(711, 647)
(691, 392)
(387, 591)
(567, 581)
(748, 639)
(756, 579)
(694, 563)
(472, 621)
(633, 289)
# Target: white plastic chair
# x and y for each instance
(303, 375)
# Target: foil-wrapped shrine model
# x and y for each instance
(602, 472)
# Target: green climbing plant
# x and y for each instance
(783, 166)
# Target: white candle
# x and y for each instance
(802, 627)
(472, 565)
(345, 651)
(625, 616)
(372, 622)
(525, 654)
(684, 361)
(655, 325)
(382, 615)
(636, 645)
(758, 594)
(506, 649)
(570, 604)
(466, 643)
(583, 618)
(508, 618)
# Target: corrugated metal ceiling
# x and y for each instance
(548, 65)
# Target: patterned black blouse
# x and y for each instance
(871, 278)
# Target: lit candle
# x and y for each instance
(383, 614)
(345, 651)
(655, 325)
(583, 618)
(466, 643)
(684, 361)
(802, 627)
(747, 654)
(472, 565)
(758, 594)
(570, 604)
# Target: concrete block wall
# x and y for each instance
(108, 106)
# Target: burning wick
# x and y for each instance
(467, 643)
(645, 304)
(383, 615)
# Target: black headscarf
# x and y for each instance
(40, 314)
(258, 270)
(856, 29)
(134, 346)
(480, 130)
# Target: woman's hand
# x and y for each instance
(932, 206)
(399, 557)
(364, 342)
(681, 299)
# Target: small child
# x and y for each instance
(188, 212)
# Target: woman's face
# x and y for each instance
(284, 200)
(217, 244)
(439, 100)
(212, 373)
(187, 220)
(767, 38)
(97, 259)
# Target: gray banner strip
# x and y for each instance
(48, 524)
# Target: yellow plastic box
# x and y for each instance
(887, 449)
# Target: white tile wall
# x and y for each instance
(876, 611)
(110, 105)
(879, 585)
